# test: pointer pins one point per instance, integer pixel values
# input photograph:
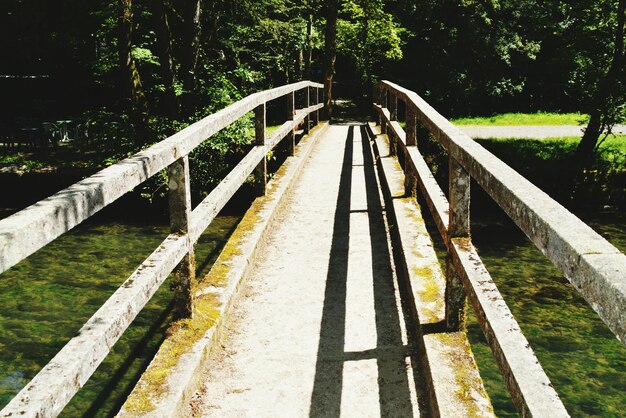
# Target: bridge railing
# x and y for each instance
(32, 228)
(593, 266)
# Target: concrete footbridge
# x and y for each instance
(329, 298)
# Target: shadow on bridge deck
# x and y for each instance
(390, 351)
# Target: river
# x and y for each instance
(45, 299)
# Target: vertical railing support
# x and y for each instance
(378, 93)
(180, 212)
(459, 227)
(410, 183)
(393, 114)
(317, 101)
(393, 106)
(307, 120)
(383, 104)
(260, 173)
(291, 111)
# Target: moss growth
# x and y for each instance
(464, 243)
(431, 292)
(466, 383)
(218, 275)
(181, 335)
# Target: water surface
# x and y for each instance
(45, 299)
(581, 356)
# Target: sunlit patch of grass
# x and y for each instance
(521, 119)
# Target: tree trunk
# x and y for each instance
(299, 64)
(164, 48)
(330, 54)
(131, 81)
(588, 142)
(191, 44)
(597, 121)
(308, 53)
(600, 118)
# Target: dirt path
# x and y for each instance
(318, 329)
(538, 132)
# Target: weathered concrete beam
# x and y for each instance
(207, 210)
(54, 386)
(229, 270)
(577, 250)
(432, 193)
(453, 386)
(528, 384)
(30, 229)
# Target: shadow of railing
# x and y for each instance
(390, 353)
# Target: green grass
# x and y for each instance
(521, 119)
(547, 163)
(613, 149)
(270, 129)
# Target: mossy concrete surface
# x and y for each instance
(454, 385)
(167, 384)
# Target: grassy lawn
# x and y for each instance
(270, 129)
(548, 164)
(521, 119)
(612, 151)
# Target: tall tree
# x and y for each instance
(130, 74)
(330, 54)
(610, 96)
(308, 52)
(166, 56)
(192, 13)
(369, 36)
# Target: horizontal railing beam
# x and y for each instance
(435, 198)
(594, 267)
(55, 385)
(32, 228)
(526, 380)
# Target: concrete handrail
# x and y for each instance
(594, 266)
(23, 233)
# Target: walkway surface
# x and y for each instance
(318, 329)
(537, 132)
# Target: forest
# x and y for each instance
(129, 73)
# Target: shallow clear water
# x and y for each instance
(582, 358)
(45, 299)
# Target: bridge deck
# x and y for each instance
(325, 325)
(321, 328)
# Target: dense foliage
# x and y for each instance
(135, 71)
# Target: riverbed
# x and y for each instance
(581, 356)
(45, 299)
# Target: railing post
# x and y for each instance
(393, 106)
(410, 183)
(317, 101)
(307, 120)
(393, 113)
(180, 212)
(459, 227)
(383, 104)
(291, 110)
(260, 173)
